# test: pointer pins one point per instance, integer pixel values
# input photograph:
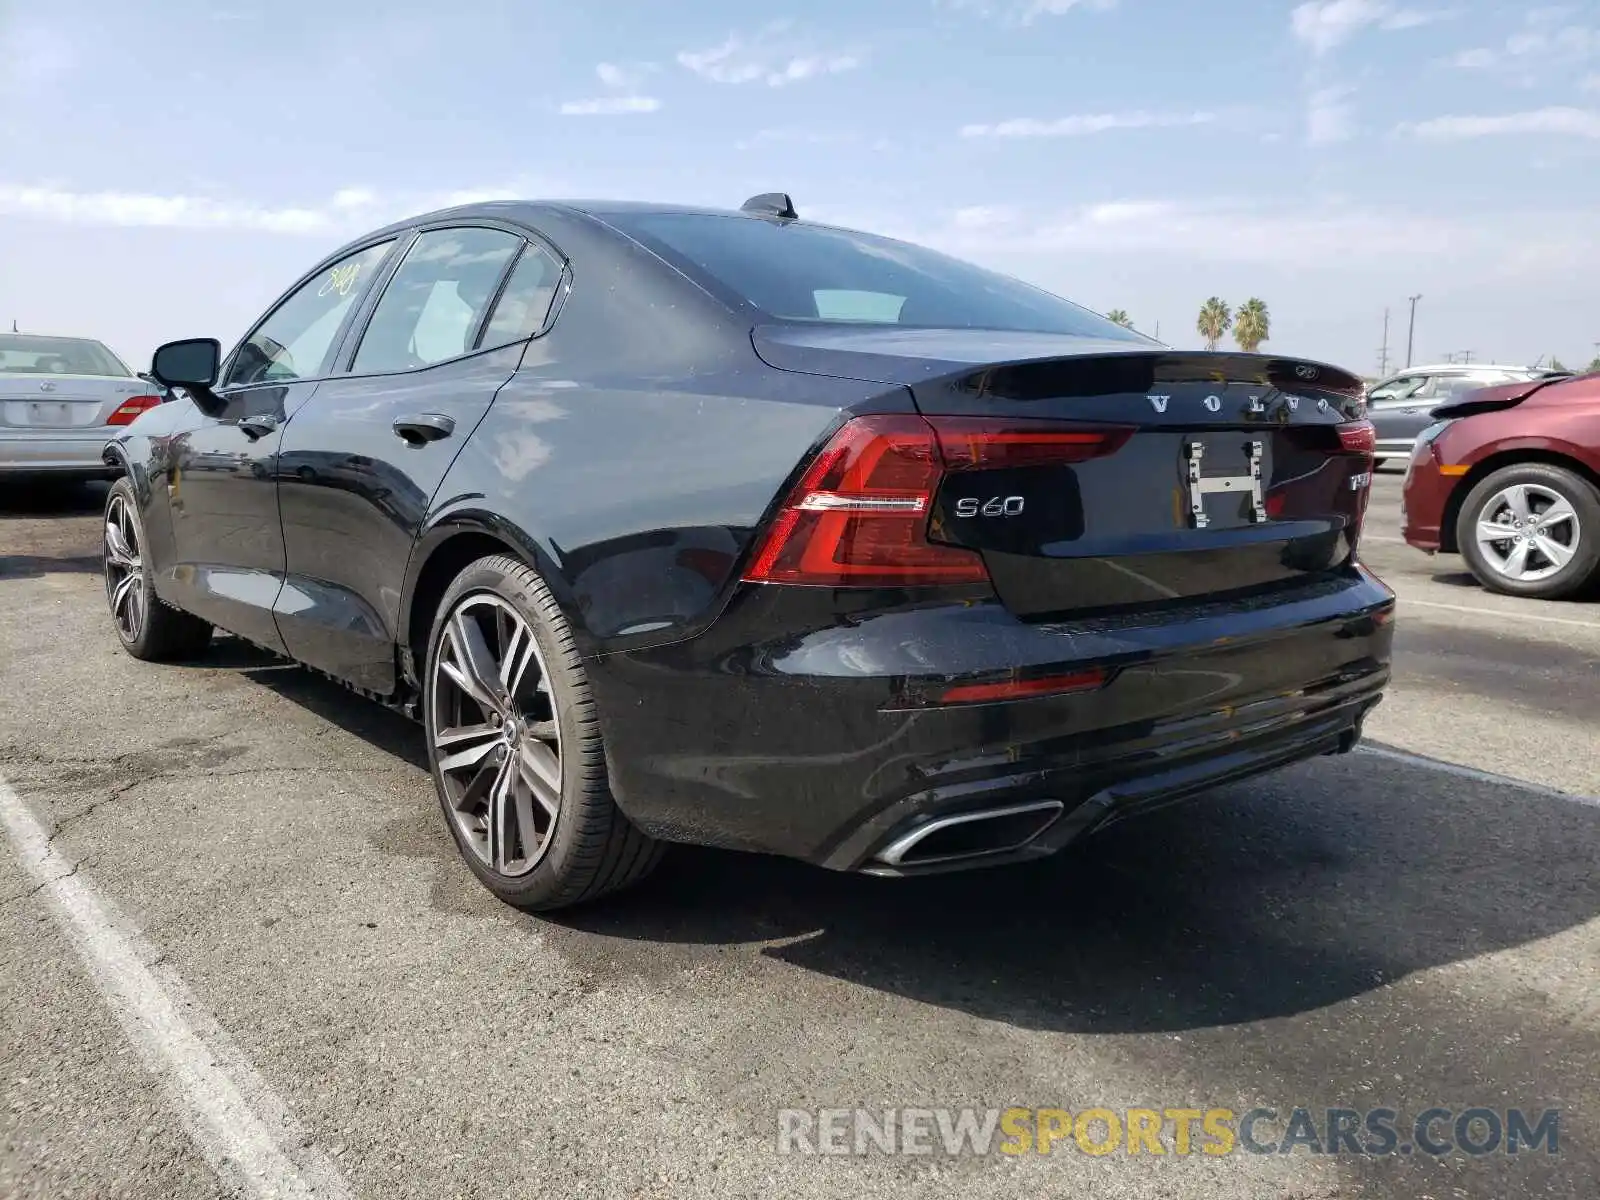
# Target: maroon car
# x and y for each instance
(1509, 478)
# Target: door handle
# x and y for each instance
(258, 427)
(421, 428)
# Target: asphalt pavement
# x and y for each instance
(239, 955)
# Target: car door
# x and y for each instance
(361, 461)
(1391, 406)
(220, 472)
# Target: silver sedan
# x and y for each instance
(61, 398)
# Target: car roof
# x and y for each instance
(1469, 368)
(530, 210)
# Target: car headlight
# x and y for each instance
(1429, 435)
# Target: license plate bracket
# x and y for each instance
(1202, 485)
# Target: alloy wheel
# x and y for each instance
(125, 587)
(1527, 532)
(494, 733)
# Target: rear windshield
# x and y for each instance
(24, 355)
(799, 272)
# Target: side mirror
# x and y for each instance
(191, 363)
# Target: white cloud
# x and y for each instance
(1330, 117)
(1325, 25)
(610, 106)
(1279, 235)
(1025, 12)
(774, 55)
(1542, 42)
(348, 211)
(1562, 121)
(1084, 123)
(625, 100)
(138, 208)
(625, 77)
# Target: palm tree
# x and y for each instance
(1215, 319)
(1119, 316)
(1252, 326)
(1594, 364)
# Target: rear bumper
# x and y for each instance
(76, 451)
(819, 744)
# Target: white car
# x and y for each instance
(60, 400)
(1398, 406)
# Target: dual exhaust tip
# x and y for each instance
(970, 835)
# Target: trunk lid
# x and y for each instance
(53, 402)
(1230, 476)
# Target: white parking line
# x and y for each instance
(1514, 615)
(1456, 769)
(240, 1126)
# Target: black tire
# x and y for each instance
(592, 848)
(1582, 571)
(1376, 463)
(161, 633)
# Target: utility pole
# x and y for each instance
(1383, 353)
(1411, 333)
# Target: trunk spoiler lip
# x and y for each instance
(972, 358)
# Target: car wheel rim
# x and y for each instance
(1527, 532)
(494, 733)
(124, 570)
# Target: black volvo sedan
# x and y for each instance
(684, 525)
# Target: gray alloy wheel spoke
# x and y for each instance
(1553, 550)
(123, 598)
(495, 737)
(469, 746)
(117, 547)
(502, 811)
(541, 773)
(476, 672)
(1559, 512)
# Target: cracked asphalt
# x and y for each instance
(1369, 931)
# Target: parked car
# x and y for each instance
(1509, 478)
(683, 525)
(1398, 406)
(60, 399)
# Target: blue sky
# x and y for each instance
(166, 169)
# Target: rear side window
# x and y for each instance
(799, 272)
(436, 300)
(22, 354)
(525, 303)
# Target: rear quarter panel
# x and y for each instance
(637, 449)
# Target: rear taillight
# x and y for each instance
(859, 514)
(131, 408)
(1358, 437)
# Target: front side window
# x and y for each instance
(293, 343)
(1397, 389)
(434, 304)
(799, 272)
